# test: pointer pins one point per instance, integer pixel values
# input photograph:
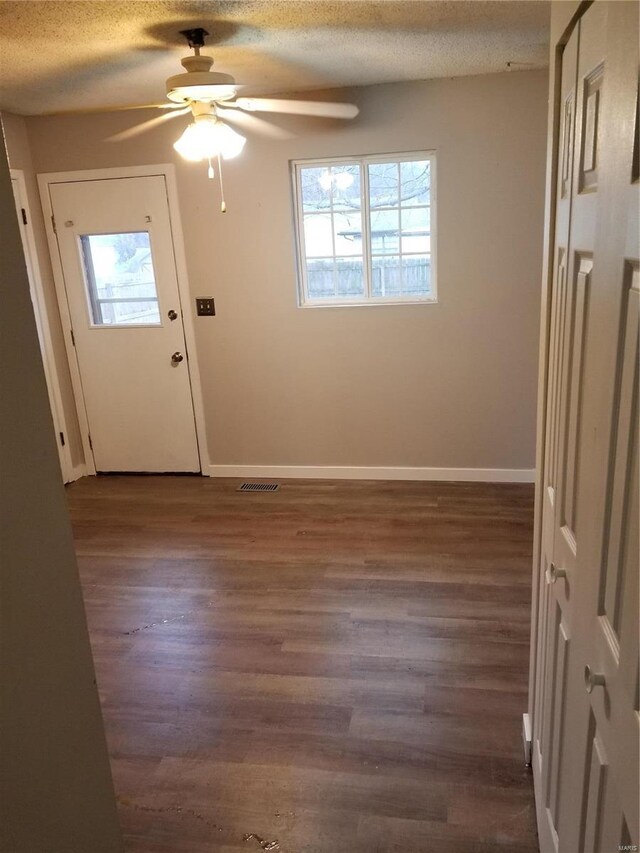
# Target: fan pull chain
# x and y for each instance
(210, 172)
(223, 205)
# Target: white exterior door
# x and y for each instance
(117, 256)
(586, 714)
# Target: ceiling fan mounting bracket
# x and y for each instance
(195, 37)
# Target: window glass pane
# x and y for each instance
(320, 278)
(345, 186)
(383, 185)
(349, 277)
(316, 189)
(416, 236)
(386, 277)
(120, 279)
(415, 182)
(348, 233)
(416, 275)
(318, 236)
(385, 227)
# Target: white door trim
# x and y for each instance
(166, 170)
(44, 330)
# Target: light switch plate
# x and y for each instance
(205, 306)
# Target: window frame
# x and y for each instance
(367, 300)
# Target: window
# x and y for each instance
(366, 230)
(120, 280)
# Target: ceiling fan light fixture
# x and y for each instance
(206, 138)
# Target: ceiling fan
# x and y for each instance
(212, 98)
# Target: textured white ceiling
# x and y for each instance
(57, 56)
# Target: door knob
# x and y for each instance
(553, 573)
(177, 357)
(172, 315)
(592, 679)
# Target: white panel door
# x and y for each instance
(555, 636)
(586, 724)
(608, 598)
(117, 257)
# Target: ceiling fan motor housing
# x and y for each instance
(199, 83)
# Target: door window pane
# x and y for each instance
(120, 279)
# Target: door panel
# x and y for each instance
(554, 636)
(586, 703)
(117, 257)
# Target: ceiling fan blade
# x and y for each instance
(252, 123)
(323, 109)
(130, 132)
(88, 110)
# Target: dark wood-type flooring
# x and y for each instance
(337, 667)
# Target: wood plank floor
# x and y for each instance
(337, 667)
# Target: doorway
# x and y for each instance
(42, 322)
(118, 287)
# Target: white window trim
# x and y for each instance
(366, 301)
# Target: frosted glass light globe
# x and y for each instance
(207, 137)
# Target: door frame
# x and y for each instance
(167, 171)
(44, 331)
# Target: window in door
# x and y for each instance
(120, 280)
(366, 230)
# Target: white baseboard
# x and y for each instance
(328, 472)
(526, 738)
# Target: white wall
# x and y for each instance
(446, 385)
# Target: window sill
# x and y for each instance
(366, 303)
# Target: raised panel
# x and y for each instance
(592, 105)
(594, 792)
(576, 321)
(559, 714)
(635, 160)
(554, 710)
(567, 145)
(542, 683)
(621, 547)
(558, 310)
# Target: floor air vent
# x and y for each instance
(259, 487)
